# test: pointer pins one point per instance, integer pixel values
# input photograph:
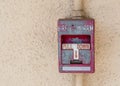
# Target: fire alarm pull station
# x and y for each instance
(76, 45)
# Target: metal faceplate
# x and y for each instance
(76, 45)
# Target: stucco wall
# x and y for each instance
(107, 42)
(28, 42)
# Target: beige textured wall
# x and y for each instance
(28, 42)
(107, 42)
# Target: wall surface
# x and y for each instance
(107, 42)
(28, 42)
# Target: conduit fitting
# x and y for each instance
(78, 11)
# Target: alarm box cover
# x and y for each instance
(76, 45)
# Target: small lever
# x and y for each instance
(76, 48)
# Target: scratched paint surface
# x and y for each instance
(78, 32)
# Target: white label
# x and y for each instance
(64, 68)
(76, 48)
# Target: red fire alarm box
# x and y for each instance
(76, 45)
